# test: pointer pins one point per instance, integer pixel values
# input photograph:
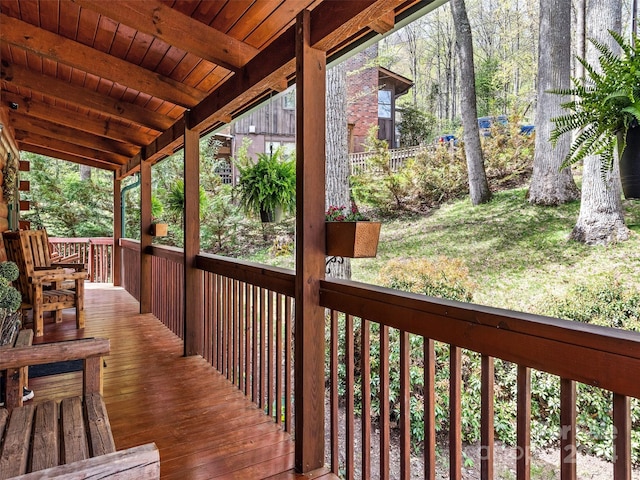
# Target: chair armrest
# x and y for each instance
(54, 352)
(55, 275)
(75, 266)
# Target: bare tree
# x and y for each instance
(337, 167)
(601, 219)
(549, 184)
(478, 185)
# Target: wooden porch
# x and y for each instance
(203, 425)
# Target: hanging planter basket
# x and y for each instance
(630, 164)
(271, 216)
(352, 239)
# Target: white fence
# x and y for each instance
(358, 161)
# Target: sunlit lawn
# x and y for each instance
(518, 254)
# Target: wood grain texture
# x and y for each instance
(155, 394)
(45, 446)
(136, 463)
(15, 446)
(74, 445)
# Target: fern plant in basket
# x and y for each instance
(268, 186)
(605, 110)
(10, 300)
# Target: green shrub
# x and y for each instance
(442, 277)
(508, 156)
(605, 302)
(441, 175)
(379, 185)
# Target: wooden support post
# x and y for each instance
(116, 254)
(310, 257)
(193, 313)
(145, 237)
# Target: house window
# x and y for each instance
(288, 148)
(384, 103)
(289, 100)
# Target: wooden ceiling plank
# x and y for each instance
(276, 22)
(67, 157)
(45, 85)
(85, 58)
(260, 10)
(53, 130)
(71, 148)
(169, 25)
(331, 24)
(62, 116)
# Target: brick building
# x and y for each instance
(372, 92)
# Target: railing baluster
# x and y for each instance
(349, 385)
(622, 437)
(385, 439)
(333, 394)
(242, 331)
(254, 353)
(568, 452)
(523, 466)
(220, 322)
(247, 339)
(279, 365)
(271, 354)
(227, 322)
(486, 420)
(455, 414)
(288, 387)
(365, 388)
(405, 403)
(263, 347)
(429, 409)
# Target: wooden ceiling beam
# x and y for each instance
(71, 148)
(69, 157)
(384, 23)
(48, 129)
(331, 24)
(330, 30)
(62, 116)
(171, 26)
(83, 97)
(63, 50)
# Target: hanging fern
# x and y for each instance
(604, 105)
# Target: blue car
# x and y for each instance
(447, 139)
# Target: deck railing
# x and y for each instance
(249, 328)
(95, 252)
(248, 311)
(397, 158)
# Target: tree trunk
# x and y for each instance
(85, 173)
(549, 184)
(478, 185)
(337, 167)
(601, 219)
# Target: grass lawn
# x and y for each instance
(518, 254)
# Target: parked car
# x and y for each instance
(447, 139)
(527, 129)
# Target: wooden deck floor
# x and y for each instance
(204, 427)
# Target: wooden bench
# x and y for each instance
(71, 439)
(16, 378)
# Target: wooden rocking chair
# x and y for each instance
(33, 282)
(44, 257)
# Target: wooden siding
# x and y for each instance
(204, 427)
